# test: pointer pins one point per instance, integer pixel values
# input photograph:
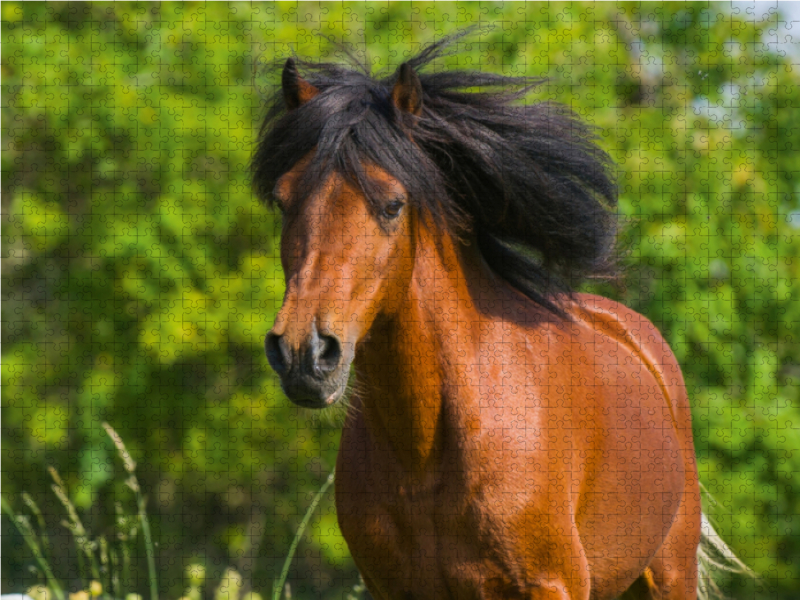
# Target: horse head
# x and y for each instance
(346, 255)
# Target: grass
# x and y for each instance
(104, 566)
(279, 583)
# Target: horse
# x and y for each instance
(507, 437)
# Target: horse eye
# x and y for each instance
(391, 210)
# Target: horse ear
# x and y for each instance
(407, 92)
(296, 90)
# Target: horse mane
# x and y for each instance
(527, 182)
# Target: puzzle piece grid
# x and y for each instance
(140, 274)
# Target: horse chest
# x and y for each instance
(417, 539)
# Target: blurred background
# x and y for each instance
(139, 274)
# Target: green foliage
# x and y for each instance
(140, 275)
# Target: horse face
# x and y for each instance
(346, 261)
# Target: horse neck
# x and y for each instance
(405, 366)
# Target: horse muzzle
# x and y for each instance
(313, 374)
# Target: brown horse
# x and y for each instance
(508, 438)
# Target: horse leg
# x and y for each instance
(644, 588)
(568, 576)
(558, 589)
(672, 574)
(670, 585)
(544, 588)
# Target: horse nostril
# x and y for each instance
(277, 353)
(329, 353)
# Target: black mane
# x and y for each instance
(527, 182)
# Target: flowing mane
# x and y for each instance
(526, 182)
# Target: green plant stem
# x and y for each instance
(29, 538)
(126, 564)
(133, 484)
(276, 590)
(40, 520)
(83, 544)
(115, 589)
(148, 543)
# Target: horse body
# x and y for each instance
(551, 458)
(507, 438)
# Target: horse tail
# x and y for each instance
(714, 556)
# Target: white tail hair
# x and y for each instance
(713, 555)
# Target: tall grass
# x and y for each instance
(279, 583)
(133, 483)
(37, 543)
(105, 567)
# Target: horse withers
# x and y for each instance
(507, 437)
